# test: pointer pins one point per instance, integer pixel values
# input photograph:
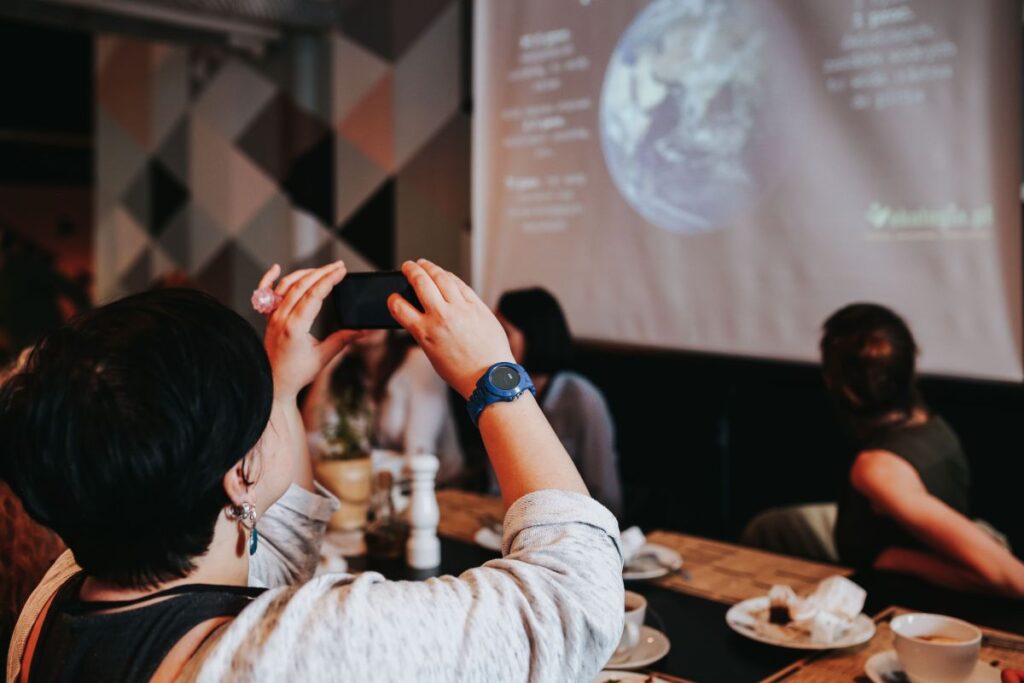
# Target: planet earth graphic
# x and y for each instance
(679, 109)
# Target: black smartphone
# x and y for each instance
(361, 299)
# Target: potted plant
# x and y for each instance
(345, 467)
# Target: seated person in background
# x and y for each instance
(539, 336)
(385, 376)
(905, 503)
(156, 434)
(26, 549)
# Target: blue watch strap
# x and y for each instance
(487, 393)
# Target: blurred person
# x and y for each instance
(540, 339)
(35, 296)
(386, 374)
(163, 442)
(905, 502)
(26, 548)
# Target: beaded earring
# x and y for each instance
(245, 515)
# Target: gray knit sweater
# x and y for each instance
(549, 610)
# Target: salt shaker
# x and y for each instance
(423, 549)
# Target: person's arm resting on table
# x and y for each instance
(962, 556)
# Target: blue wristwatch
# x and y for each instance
(502, 382)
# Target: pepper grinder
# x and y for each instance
(423, 549)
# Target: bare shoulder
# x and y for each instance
(878, 471)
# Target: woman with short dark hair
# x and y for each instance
(163, 442)
(539, 336)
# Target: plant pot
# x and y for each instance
(351, 482)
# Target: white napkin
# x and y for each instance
(827, 613)
(632, 539)
(488, 538)
(331, 564)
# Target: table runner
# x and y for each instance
(848, 665)
(730, 573)
(717, 571)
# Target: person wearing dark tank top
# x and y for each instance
(904, 504)
(124, 640)
(934, 451)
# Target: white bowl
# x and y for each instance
(935, 662)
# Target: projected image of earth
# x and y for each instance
(678, 110)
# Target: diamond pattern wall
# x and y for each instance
(352, 144)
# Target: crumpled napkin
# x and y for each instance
(631, 540)
(488, 537)
(334, 564)
(826, 615)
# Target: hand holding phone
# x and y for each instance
(457, 331)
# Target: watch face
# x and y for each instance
(505, 378)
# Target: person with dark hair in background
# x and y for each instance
(905, 502)
(35, 296)
(539, 336)
(163, 442)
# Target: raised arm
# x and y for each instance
(296, 356)
(292, 529)
(318, 396)
(962, 556)
(462, 338)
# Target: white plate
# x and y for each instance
(741, 618)
(668, 561)
(881, 667)
(653, 646)
(608, 675)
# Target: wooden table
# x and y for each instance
(692, 611)
(722, 572)
(848, 665)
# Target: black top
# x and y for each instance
(82, 641)
(934, 451)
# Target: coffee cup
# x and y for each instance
(936, 649)
(636, 610)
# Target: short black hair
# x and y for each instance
(537, 314)
(868, 357)
(118, 432)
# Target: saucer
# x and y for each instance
(668, 560)
(885, 667)
(653, 646)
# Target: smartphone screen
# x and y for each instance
(361, 299)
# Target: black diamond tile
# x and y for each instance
(310, 180)
(166, 196)
(371, 229)
(279, 135)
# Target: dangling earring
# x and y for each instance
(245, 515)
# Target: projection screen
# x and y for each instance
(720, 175)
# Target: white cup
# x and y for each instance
(936, 661)
(636, 609)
